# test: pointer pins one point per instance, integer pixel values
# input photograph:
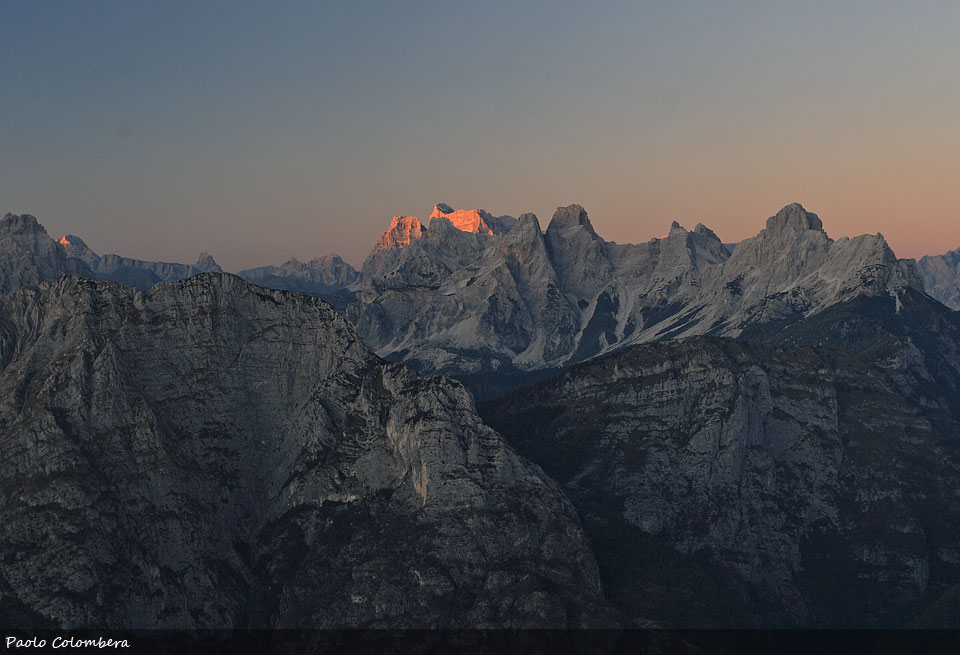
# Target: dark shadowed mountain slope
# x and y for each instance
(910, 336)
(213, 454)
(732, 483)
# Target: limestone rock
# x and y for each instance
(29, 256)
(941, 277)
(479, 303)
(733, 484)
(213, 454)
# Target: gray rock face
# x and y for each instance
(76, 247)
(467, 303)
(29, 256)
(790, 271)
(941, 277)
(321, 275)
(469, 300)
(732, 484)
(206, 264)
(212, 454)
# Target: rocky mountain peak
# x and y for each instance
(705, 231)
(74, 246)
(794, 217)
(465, 220)
(530, 219)
(478, 221)
(207, 264)
(20, 223)
(571, 216)
(332, 258)
(403, 230)
(676, 229)
(68, 240)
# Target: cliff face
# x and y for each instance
(941, 277)
(726, 483)
(213, 454)
(403, 231)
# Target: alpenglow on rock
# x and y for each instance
(402, 232)
(213, 454)
(477, 298)
(473, 220)
(29, 256)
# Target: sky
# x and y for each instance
(261, 131)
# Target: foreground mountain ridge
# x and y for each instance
(213, 454)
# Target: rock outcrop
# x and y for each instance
(735, 484)
(206, 264)
(212, 454)
(941, 277)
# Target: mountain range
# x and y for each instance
(679, 433)
(530, 299)
(506, 303)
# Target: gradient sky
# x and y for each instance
(260, 131)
